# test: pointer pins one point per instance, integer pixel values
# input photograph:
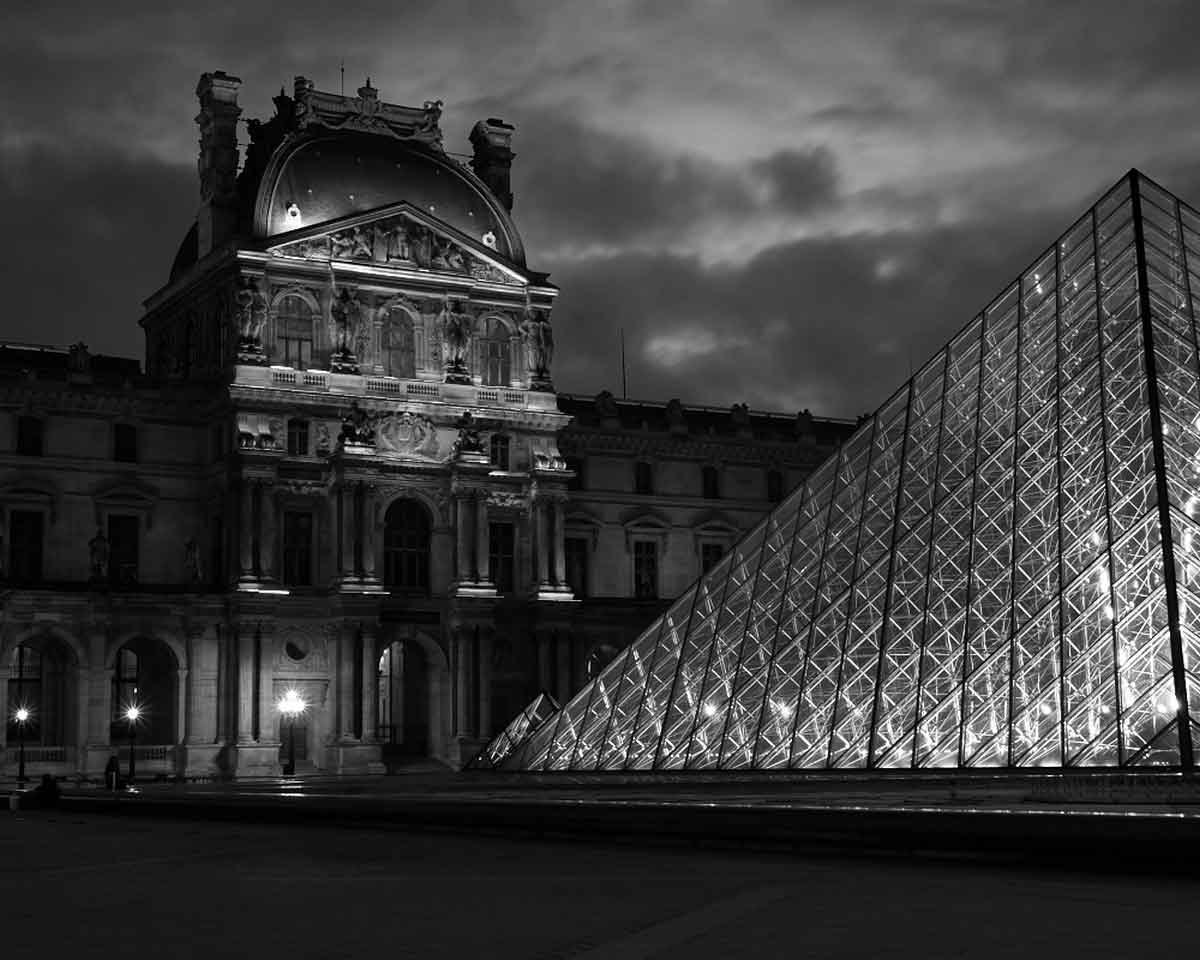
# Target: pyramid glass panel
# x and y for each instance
(514, 736)
(1000, 568)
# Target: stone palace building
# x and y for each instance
(342, 470)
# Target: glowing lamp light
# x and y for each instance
(291, 704)
(133, 712)
(293, 214)
(710, 709)
(22, 715)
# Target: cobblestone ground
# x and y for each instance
(94, 886)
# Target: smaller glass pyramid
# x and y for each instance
(1000, 568)
(516, 734)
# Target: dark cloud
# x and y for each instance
(799, 181)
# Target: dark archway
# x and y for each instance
(405, 708)
(42, 677)
(146, 675)
(406, 538)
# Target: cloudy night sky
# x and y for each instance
(782, 203)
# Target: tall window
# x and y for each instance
(499, 451)
(297, 438)
(494, 354)
(774, 486)
(297, 548)
(29, 436)
(575, 553)
(125, 684)
(643, 477)
(710, 555)
(645, 569)
(25, 545)
(122, 549)
(710, 482)
(399, 352)
(125, 445)
(294, 332)
(406, 534)
(501, 555)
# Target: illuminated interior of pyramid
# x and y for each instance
(998, 569)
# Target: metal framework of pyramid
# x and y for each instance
(1000, 568)
(515, 735)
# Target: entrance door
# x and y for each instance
(301, 734)
(404, 700)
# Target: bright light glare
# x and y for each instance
(291, 704)
(133, 712)
(22, 715)
(710, 709)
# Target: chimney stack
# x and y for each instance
(492, 162)
(218, 118)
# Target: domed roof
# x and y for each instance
(334, 175)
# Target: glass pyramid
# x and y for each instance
(518, 731)
(1000, 568)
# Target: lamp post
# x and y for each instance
(131, 714)
(22, 717)
(291, 705)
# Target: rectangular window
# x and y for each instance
(494, 366)
(297, 438)
(575, 553)
(645, 570)
(29, 436)
(296, 352)
(710, 554)
(25, 545)
(122, 549)
(643, 477)
(499, 451)
(774, 486)
(297, 548)
(575, 465)
(710, 481)
(125, 447)
(501, 555)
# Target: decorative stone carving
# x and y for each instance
(407, 434)
(457, 331)
(366, 112)
(324, 442)
(251, 317)
(507, 501)
(358, 427)
(468, 441)
(347, 326)
(544, 460)
(78, 358)
(606, 405)
(804, 423)
(739, 413)
(539, 348)
(676, 420)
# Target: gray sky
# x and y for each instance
(782, 203)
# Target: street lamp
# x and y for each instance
(291, 705)
(22, 718)
(132, 712)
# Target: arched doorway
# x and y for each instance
(145, 675)
(42, 675)
(412, 699)
(406, 536)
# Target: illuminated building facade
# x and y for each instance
(1000, 568)
(343, 472)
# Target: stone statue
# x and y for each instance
(739, 413)
(98, 552)
(468, 435)
(539, 346)
(191, 560)
(324, 443)
(422, 246)
(78, 358)
(358, 426)
(361, 244)
(606, 405)
(251, 310)
(675, 417)
(342, 245)
(456, 327)
(346, 318)
(804, 423)
(399, 245)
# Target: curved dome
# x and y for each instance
(336, 175)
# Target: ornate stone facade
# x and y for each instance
(344, 472)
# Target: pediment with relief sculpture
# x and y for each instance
(401, 239)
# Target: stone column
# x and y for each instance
(370, 689)
(542, 541)
(268, 716)
(464, 670)
(482, 560)
(268, 554)
(246, 533)
(245, 687)
(369, 536)
(560, 560)
(181, 705)
(98, 681)
(462, 536)
(345, 684)
(485, 683)
(346, 495)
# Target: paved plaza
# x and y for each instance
(85, 885)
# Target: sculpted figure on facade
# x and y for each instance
(358, 426)
(78, 358)
(539, 347)
(457, 329)
(675, 417)
(739, 413)
(468, 435)
(606, 405)
(347, 317)
(250, 307)
(399, 246)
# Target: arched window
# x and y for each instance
(494, 353)
(37, 682)
(406, 535)
(294, 331)
(399, 355)
(499, 451)
(144, 676)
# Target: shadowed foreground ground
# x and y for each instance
(84, 885)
